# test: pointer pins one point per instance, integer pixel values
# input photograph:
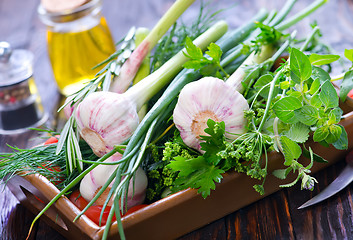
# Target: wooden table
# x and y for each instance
(274, 217)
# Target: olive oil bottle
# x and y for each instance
(77, 41)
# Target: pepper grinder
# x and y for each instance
(20, 104)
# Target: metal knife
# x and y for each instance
(344, 179)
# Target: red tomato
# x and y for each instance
(78, 200)
(93, 212)
(53, 169)
(350, 94)
(135, 208)
(51, 140)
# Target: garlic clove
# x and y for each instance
(208, 98)
(106, 119)
(94, 180)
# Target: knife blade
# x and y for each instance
(344, 179)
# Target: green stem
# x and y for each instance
(70, 185)
(153, 83)
(309, 38)
(301, 15)
(269, 100)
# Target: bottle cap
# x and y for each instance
(15, 65)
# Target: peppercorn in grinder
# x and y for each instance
(20, 105)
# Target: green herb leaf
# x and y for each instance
(307, 115)
(291, 150)
(281, 173)
(328, 95)
(342, 141)
(346, 85)
(316, 59)
(334, 135)
(315, 86)
(348, 53)
(300, 66)
(321, 74)
(263, 84)
(196, 173)
(321, 133)
(298, 133)
(284, 109)
(316, 158)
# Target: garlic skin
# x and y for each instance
(208, 98)
(95, 179)
(106, 119)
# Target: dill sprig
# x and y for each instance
(174, 41)
(41, 160)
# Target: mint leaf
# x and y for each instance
(300, 66)
(335, 116)
(263, 84)
(291, 150)
(281, 173)
(315, 86)
(334, 135)
(298, 133)
(348, 53)
(316, 59)
(346, 85)
(284, 109)
(315, 101)
(342, 141)
(328, 95)
(321, 74)
(321, 133)
(316, 158)
(307, 115)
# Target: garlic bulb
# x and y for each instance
(208, 98)
(95, 179)
(105, 119)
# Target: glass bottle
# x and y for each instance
(78, 39)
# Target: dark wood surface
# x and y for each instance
(274, 217)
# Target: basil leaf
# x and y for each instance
(346, 85)
(300, 66)
(284, 109)
(316, 59)
(328, 95)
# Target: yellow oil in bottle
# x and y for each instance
(74, 54)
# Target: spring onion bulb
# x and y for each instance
(131, 66)
(105, 119)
